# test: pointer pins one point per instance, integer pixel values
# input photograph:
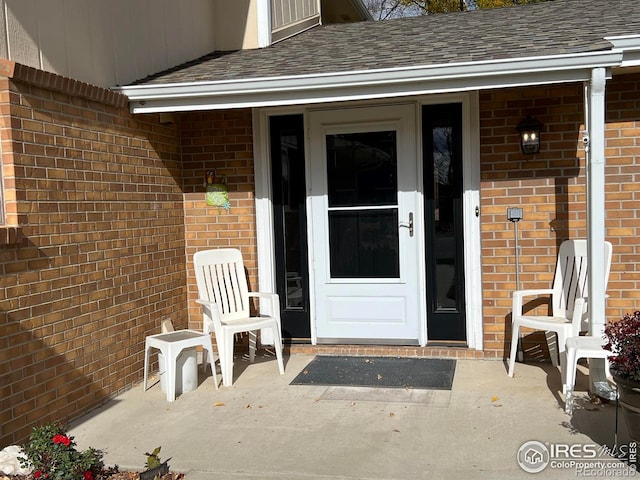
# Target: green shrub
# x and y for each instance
(53, 456)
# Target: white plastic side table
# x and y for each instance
(171, 344)
(581, 347)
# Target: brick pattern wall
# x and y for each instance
(8, 209)
(99, 260)
(550, 187)
(220, 141)
(622, 151)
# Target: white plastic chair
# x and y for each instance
(224, 295)
(568, 299)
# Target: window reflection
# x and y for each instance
(292, 200)
(361, 177)
(364, 244)
(444, 242)
(362, 169)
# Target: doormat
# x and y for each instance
(387, 372)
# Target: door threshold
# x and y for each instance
(459, 351)
(297, 341)
(447, 343)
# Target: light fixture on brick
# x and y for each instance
(529, 129)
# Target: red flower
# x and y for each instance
(37, 474)
(87, 475)
(63, 439)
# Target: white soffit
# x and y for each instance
(366, 84)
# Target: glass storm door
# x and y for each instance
(442, 142)
(363, 187)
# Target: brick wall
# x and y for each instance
(220, 141)
(550, 187)
(623, 193)
(93, 256)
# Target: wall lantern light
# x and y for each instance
(529, 129)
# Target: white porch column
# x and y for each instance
(595, 199)
(595, 122)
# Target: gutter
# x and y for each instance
(630, 46)
(369, 84)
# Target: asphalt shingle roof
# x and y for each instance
(550, 28)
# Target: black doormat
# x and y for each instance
(388, 372)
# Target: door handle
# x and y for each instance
(408, 224)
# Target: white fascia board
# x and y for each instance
(630, 46)
(368, 84)
(624, 41)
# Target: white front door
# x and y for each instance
(365, 249)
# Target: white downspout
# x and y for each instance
(595, 123)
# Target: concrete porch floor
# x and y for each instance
(264, 428)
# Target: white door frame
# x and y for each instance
(471, 205)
